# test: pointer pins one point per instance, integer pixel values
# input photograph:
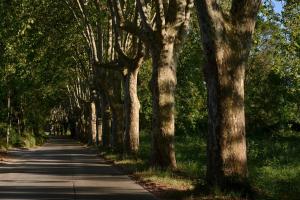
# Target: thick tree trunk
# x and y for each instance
(93, 123)
(163, 89)
(132, 109)
(106, 121)
(226, 40)
(226, 145)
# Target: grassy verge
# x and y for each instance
(23, 140)
(273, 160)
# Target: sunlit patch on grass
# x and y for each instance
(167, 179)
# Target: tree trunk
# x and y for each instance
(106, 121)
(93, 122)
(132, 109)
(9, 111)
(226, 43)
(163, 88)
(116, 104)
(226, 145)
(99, 140)
(78, 129)
(99, 132)
(72, 127)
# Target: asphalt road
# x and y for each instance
(63, 169)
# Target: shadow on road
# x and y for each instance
(63, 169)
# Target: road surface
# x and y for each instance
(64, 169)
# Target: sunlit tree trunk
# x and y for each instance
(99, 139)
(132, 108)
(163, 85)
(93, 122)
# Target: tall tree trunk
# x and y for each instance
(93, 122)
(226, 145)
(132, 109)
(19, 126)
(106, 121)
(99, 132)
(226, 40)
(163, 122)
(9, 112)
(99, 140)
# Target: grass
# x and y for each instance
(274, 165)
(273, 161)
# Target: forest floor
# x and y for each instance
(273, 161)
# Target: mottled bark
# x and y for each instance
(132, 109)
(226, 41)
(226, 147)
(163, 85)
(93, 122)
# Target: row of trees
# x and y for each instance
(119, 35)
(80, 60)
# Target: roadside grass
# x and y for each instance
(273, 161)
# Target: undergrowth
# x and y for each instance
(22, 140)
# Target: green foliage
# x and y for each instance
(191, 117)
(144, 94)
(272, 82)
